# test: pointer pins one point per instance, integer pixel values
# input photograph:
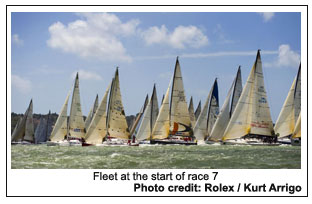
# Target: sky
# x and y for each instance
(48, 48)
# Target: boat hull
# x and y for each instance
(253, 142)
(173, 142)
(296, 142)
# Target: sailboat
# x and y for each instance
(43, 130)
(149, 118)
(24, 130)
(117, 128)
(251, 121)
(296, 136)
(92, 112)
(285, 124)
(173, 124)
(208, 115)
(97, 129)
(227, 108)
(69, 131)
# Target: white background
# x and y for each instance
(80, 182)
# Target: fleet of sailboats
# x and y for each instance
(244, 117)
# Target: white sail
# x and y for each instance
(60, 128)
(223, 118)
(238, 87)
(16, 127)
(200, 129)
(162, 125)
(191, 112)
(76, 122)
(117, 124)
(29, 128)
(252, 114)
(97, 129)
(139, 117)
(287, 118)
(213, 108)
(228, 106)
(149, 118)
(154, 107)
(92, 112)
(179, 116)
(198, 110)
(144, 131)
(297, 131)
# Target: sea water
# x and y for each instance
(155, 157)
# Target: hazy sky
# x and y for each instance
(48, 48)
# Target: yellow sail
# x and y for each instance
(252, 113)
(97, 129)
(297, 131)
(117, 124)
(285, 123)
(179, 116)
(60, 128)
(162, 125)
(76, 122)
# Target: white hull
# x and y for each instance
(22, 143)
(65, 143)
(249, 141)
(114, 142)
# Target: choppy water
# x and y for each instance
(155, 157)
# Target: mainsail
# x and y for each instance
(149, 118)
(208, 115)
(191, 112)
(92, 112)
(287, 118)
(97, 129)
(116, 119)
(228, 106)
(60, 128)
(180, 121)
(162, 125)
(76, 122)
(25, 128)
(252, 114)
